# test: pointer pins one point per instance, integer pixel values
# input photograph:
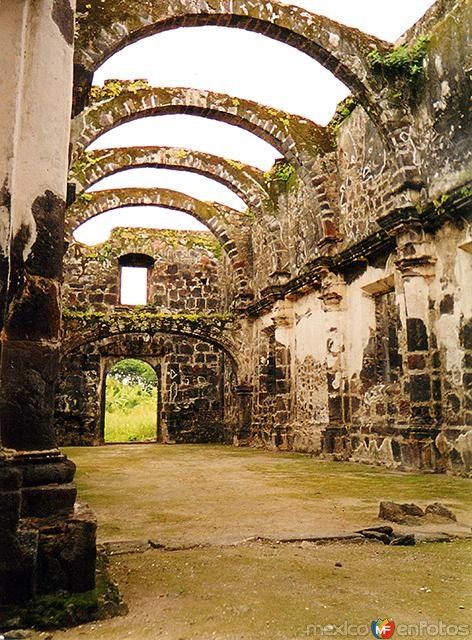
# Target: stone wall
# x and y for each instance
(332, 316)
(374, 365)
(187, 275)
(352, 337)
(190, 374)
(186, 282)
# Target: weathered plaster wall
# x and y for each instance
(39, 515)
(374, 366)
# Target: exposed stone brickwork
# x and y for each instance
(332, 316)
(346, 230)
(191, 405)
(186, 282)
(185, 277)
(247, 182)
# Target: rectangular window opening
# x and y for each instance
(134, 285)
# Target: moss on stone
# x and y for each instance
(404, 61)
(282, 173)
(61, 610)
(439, 203)
(236, 165)
(143, 319)
(114, 88)
(466, 192)
(175, 238)
(87, 160)
(94, 15)
(343, 112)
(209, 243)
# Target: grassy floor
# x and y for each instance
(131, 416)
(211, 494)
(268, 591)
(132, 425)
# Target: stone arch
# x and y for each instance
(220, 338)
(80, 417)
(342, 50)
(228, 225)
(297, 138)
(246, 181)
(106, 28)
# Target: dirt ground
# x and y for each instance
(192, 494)
(227, 589)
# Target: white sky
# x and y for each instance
(239, 63)
(134, 285)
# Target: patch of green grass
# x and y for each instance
(305, 477)
(132, 425)
(131, 412)
(208, 493)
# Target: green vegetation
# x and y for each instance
(439, 203)
(404, 61)
(343, 111)
(133, 372)
(104, 254)
(235, 164)
(131, 401)
(143, 319)
(283, 174)
(466, 192)
(114, 88)
(87, 159)
(209, 243)
(172, 237)
(60, 610)
(300, 494)
(249, 214)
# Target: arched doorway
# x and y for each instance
(131, 402)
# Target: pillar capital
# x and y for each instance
(333, 290)
(415, 254)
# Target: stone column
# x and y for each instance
(415, 263)
(283, 320)
(36, 55)
(333, 298)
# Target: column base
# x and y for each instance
(67, 609)
(47, 538)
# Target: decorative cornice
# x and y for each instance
(452, 205)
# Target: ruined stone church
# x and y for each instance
(333, 316)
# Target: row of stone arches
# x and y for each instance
(299, 140)
(343, 51)
(308, 147)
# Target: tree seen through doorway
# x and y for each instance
(131, 402)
